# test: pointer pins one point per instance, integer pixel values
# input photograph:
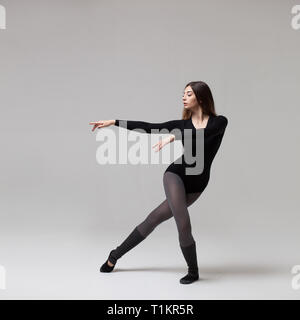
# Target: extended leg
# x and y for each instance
(157, 216)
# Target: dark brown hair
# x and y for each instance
(204, 97)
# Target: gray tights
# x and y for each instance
(175, 205)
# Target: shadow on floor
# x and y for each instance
(207, 272)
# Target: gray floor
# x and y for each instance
(63, 263)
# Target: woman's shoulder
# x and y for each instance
(221, 118)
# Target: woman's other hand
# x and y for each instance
(102, 124)
(163, 142)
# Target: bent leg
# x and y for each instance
(154, 218)
(177, 200)
(162, 213)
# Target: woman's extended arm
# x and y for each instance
(148, 126)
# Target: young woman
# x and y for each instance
(181, 189)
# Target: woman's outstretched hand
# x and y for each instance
(163, 142)
(102, 124)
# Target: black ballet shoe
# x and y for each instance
(190, 256)
(189, 278)
(134, 238)
(107, 268)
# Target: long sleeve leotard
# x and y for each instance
(212, 136)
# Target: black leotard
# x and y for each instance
(213, 135)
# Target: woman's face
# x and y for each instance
(189, 99)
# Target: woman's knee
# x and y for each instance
(155, 219)
(159, 214)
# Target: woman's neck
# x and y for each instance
(198, 116)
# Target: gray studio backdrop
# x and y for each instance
(66, 63)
